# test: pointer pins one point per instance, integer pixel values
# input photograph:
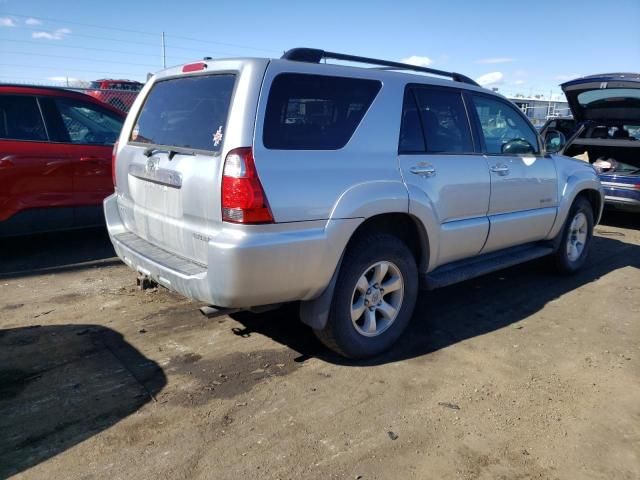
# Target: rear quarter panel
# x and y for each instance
(359, 180)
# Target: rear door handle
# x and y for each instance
(423, 170)
(500, 169)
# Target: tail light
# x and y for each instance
(113, 162)
(243, 198)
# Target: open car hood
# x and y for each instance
(607, 97)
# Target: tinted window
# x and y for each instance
(188, 112)
(315, 112)
(444, 120)
(86, 123)
(502, 123)
(411, 136)
(20, 118)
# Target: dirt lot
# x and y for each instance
(518, 375)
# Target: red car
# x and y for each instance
(117, 93)
(55, 158)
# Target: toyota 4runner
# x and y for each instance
(247, 183)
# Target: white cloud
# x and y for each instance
(58, 34)
(33, 21)
(491, 78)
(417, 61)
(519, 82)
(7, 22)
(493, 60)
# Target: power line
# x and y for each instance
(81, 59)
(142, 32)
(122, 52)
(39, 67)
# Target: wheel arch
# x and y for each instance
(403, 225)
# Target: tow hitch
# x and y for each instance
(144, 282)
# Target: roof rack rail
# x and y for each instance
(314, 55)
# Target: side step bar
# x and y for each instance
(470, 268)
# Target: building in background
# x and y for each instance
(539, 108)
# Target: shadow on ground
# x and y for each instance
(615, 218)
(59, 385)
(55, 252)
(449, 315)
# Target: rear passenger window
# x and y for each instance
(444, 121)
(315, 112)
(88, 124)
(20, 118)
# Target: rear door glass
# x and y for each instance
(315, 112)
(20, 118)
(187, 112)
(444, 121)
(86, 123)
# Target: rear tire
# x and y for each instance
(374, 298)
(576, 238)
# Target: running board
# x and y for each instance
(490, 262)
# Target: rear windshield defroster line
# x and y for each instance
(186, 113)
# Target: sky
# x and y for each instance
(517, 47)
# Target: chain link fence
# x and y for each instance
(119, 94)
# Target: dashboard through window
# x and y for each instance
(502, 124)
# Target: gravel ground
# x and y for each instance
(517, 375)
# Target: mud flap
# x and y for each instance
(315, 313)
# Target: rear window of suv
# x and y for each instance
(187, 112)
(315, 112)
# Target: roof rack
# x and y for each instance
(314, 55)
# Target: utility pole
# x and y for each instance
(164, 53)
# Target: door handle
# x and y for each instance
(423, 170)
(500, 169)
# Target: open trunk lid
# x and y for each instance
(170, 154)
(610, 97)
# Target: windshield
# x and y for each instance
(187, 112)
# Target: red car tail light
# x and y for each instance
(243, 198)
(113, 163)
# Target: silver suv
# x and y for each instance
(247, 183)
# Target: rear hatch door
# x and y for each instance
(613, 97)
(169, 158)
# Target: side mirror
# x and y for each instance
(554, 141)
(517, 146)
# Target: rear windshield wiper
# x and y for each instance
(170, 152)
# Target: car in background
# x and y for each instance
(605, 131)
(55, 158)
(117, 93)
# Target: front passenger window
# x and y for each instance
(502, 125)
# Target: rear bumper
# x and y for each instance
(247, 266)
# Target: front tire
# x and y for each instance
(374, 297)
(576, 237)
